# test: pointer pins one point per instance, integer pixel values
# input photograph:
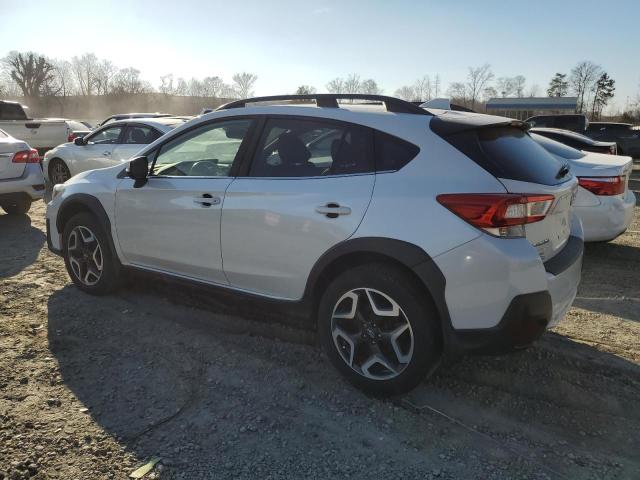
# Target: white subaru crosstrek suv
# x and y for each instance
(407, 233)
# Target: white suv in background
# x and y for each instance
(407, 233)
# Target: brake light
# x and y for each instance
(72, 136)
(501, 215)
(26, 156)
(604, 186)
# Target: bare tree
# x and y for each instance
(31, 72)
(505, 86)
(406, 92)
(458, 91)
(352, 84)
(519, 83)
(166, 84)
(305, 90)
(195, 88)
(85, 69)
(534, 90)
(370, 87)
(128, 82)
(243, 84)
(335, 86)
(212, 86)
(104, 73)
(422, 88)
(477, 80)
(583, 77)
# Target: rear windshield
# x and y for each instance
(11, 111)
(509, 153)
(77, 126)
(558, 148)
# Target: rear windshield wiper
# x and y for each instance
(564, 170)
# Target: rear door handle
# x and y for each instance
(333, 210)
(206, 200)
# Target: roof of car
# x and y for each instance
(612, 123)
(161, 122)
(569, 133)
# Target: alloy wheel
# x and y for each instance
(85, 255)
(59, 173)
(372, 333)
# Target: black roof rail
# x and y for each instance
(330, 100)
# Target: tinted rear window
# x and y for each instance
(11, 111)
(509, 153)
(392, 153)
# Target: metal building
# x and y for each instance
(523, 108)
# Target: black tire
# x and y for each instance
(109, 276)
(416, 309)
(58, 171)
(17, 207)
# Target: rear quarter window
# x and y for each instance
(392, 153)
(509, 153)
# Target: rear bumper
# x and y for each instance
(501, 296)
(608, 219)
(30, 184)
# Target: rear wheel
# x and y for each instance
(58, 171)
(17, 207)
(88, 257)
(378, 329)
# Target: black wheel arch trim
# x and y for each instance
(405, 253)
(86, 202)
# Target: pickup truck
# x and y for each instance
(40, 133)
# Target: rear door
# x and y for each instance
(8, 147)
(307, 188)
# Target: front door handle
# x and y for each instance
(206, 200)
(333, 210)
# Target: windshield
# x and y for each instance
(557, 148)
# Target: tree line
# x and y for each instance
(31, 75)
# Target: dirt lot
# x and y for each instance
(92, 388)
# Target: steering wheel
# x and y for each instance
(204, 168)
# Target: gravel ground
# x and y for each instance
(92, 388)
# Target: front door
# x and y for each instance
(96, 153)
(172, 224)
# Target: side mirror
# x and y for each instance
(78, 141)
(138, 169)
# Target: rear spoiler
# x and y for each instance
(445, 104)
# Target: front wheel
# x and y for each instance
(378, 329)
(88, 257)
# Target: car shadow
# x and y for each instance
(158, 376)
(20, 244)
(611, 280)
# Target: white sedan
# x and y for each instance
(603, 202)
(109, 145)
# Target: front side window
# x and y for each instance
(107, 136)
(207, 151)
(312, 148)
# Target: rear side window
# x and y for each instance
(392, 153)
(509, 153)
(11, 111)
(312, 148)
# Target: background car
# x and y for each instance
(574, 122)
(107, 146)
(603, 202)
(21, 179)
(466, 243)
(624, 134)
(125, 116)
(577, 140)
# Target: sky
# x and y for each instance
(288, 43)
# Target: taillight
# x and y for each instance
(605, 186)
(72, 136)
(26, 156)
(501, 215)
